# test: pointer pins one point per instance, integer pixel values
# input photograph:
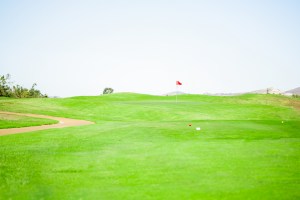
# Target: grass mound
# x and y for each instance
(141, 147)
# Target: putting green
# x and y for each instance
(142, 147)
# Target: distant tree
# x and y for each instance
(34, 93)
(108, 91)
(5, 90)
(18, 91)
(296, 96)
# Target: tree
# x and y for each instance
(108, 91)
(17, 91)
(20, 92)
(34, 93)
(5, 90)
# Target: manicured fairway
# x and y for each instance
(141, 147)
(15, 121)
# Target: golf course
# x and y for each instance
(148, 147)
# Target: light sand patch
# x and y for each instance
(63, 122)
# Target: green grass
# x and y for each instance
(141, 147)
(16, 121)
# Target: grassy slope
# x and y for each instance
(141, 147)
(15, 121)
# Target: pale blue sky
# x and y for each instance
(80, 47)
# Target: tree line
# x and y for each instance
(7, 89)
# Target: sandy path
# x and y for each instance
(63, 122)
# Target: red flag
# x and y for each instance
(178, 83)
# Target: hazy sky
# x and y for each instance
(80, 47)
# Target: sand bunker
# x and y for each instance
(62, 122)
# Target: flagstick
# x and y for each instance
(176, 91)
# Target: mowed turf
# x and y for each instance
(141, 147)
(16, 121)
